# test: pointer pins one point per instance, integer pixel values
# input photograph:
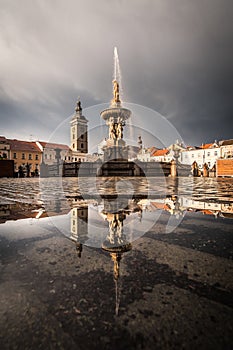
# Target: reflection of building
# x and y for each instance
(18, 211)
(178, 205)
(4, 211)
(79, 224)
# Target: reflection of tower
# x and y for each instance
(116, 255)
(78, 131)
(116, 244)
(79, 225)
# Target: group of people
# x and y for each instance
(22, 171)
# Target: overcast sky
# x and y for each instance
(176, 58)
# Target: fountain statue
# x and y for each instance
(116, 94)
(115, 117)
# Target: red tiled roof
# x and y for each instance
(207, 212)
(160, 152)
(206, 145)
(152, 150)
(17, 145)
(157, 205)
(54, 145)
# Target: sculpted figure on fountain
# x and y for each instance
(119, 131)
(116, 94)
(112, 129)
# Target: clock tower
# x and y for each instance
(78, 131)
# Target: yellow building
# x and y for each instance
(26, 155)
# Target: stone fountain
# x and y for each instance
(116, 151)
(115, 117)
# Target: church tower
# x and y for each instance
(78, 131)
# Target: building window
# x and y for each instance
(81, 145)
(23, 156)
(192, 155)
(36, 157)
(75, 159)
(82, 136)
(65, 157)
(73, 145)
(69, 158)
(30, 156)
(208, 154)
(14, 156)
(215, 153)
(73, 136)
(50, 156)
(45, 156)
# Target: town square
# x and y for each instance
(116, 175)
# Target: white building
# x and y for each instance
(50, 151)
(167, 154)
(144, 155)
(161, 155)
(207, 153)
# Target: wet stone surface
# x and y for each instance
(172, 290)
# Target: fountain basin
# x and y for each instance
(116, 113)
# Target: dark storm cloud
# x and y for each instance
(176, 58)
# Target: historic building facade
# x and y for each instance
(226, 148)
(4, 148)
(51, 150)
(205, 154)
(27, 156)
(78, 135)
